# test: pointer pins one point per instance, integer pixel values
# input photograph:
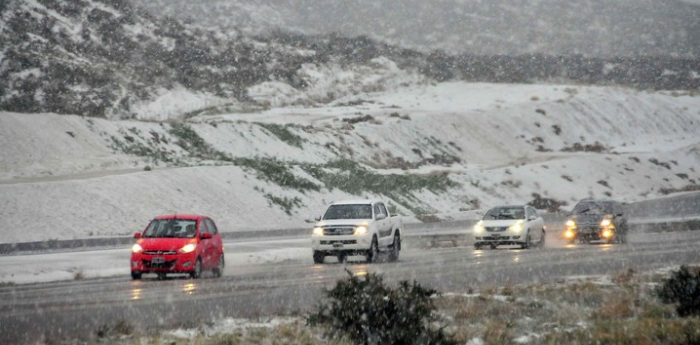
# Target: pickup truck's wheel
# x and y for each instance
(373, 252)
(395, 248)
(318, 257)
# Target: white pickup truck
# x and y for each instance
(358, 227)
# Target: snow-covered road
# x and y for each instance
(281, 281)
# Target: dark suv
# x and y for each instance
(597, 220)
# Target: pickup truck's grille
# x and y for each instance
(340, 242)
(338, 231)
(496, 228)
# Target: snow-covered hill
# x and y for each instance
(113, 60)
(446, 149)
(552, 27)
(108, 59)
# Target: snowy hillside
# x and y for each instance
(113, 60)
(502, 27)
(433, 149)
(108, 59)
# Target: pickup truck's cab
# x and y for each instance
(360, 227)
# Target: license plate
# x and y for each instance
(337, 245)
(158, 260)
(496, 235)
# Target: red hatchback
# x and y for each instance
(178, 244)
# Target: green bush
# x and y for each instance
(367, 311)
(682, 289)
(283, 133)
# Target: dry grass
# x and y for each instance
(619, 309)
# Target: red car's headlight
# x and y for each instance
(189, 248)
(136, 248)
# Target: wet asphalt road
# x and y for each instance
(77, 309)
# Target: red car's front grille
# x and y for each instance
(160, 252)
(167, 264)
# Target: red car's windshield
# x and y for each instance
(179, 228)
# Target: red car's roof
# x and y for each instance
(181, 216)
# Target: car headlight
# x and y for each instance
(189, 248)
(318, 231)
(479, 227)
(517, 227)
(570, 223)
(360, 230)
(605, 222)
(136, 248)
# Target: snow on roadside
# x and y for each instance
(48, 267)
(499, 142)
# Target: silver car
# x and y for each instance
(510, 225)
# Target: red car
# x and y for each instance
(178, 244)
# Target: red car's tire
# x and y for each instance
(197, 272)
(219, 269)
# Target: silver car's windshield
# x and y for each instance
(173, 228)
(349, 212)
(505, 213)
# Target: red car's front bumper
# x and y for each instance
(172, 263)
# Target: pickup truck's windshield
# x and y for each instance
(175, 228)
(349, 212)
(505, 213)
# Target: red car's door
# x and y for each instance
(206, 252)
(217, 245)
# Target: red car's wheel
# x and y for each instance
(219, 269)
(197, 272)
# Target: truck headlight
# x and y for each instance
(479, 227)
(360, 230)
(605, 222)
(136, 248)
(318, 231)
(188, 248)
(570, 223)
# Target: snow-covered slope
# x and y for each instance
(593, 28)
(445, 149)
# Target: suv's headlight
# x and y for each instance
(570, 223)
(136, 248)
(479, 227)
(605, 222)
(189, 248)
(360, 230)
(517, 227)
(318, 231)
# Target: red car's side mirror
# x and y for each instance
(205, 236)
(137, 235)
